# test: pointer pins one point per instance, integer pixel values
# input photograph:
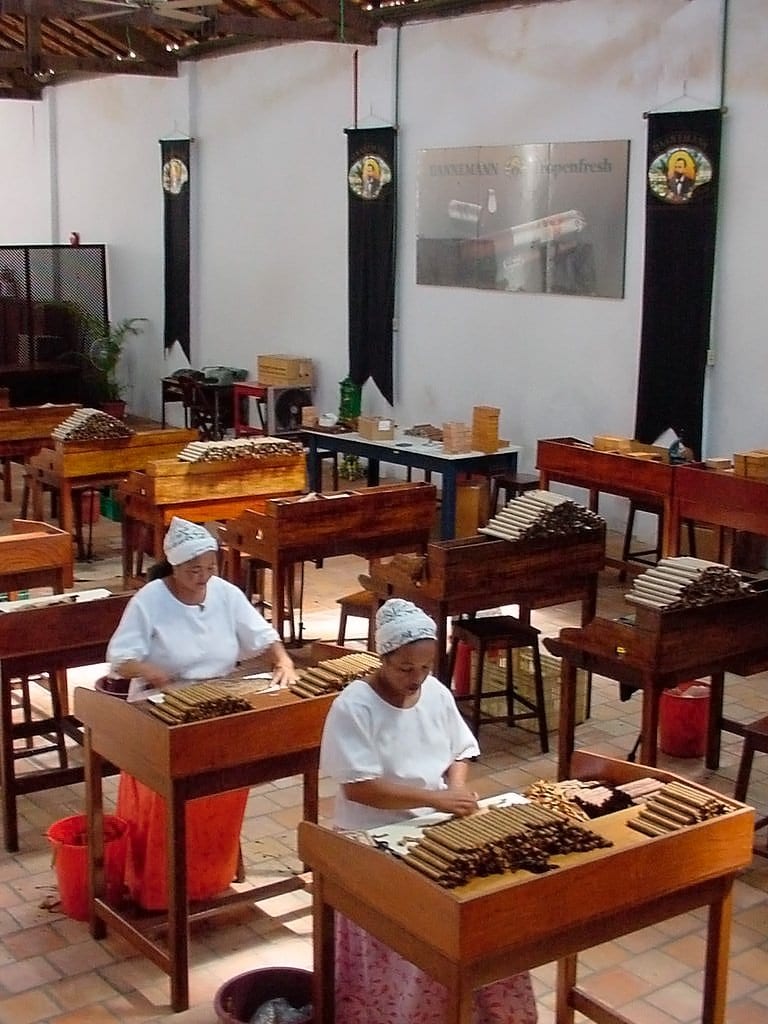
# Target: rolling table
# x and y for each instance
(413, 453)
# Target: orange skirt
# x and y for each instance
(213, 842)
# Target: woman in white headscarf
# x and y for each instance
(397, 747)
(188, 624)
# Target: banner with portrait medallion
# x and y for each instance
(683, 171)
(176, 184)
(371, 254)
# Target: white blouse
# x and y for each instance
(198, 641)
(365, 737)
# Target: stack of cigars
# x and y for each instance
(238, 448)
(675, 806)
(332, 675)
(676, 583)
(91, 425)
(538, 514)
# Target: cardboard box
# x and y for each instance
(285, 371)
(376, 428)
(611, 443)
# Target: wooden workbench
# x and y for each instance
(201, 492)
(494, 927)
(35, 555)
(568, 460)
(49, 639)
(24, 430)
(280, 737)
(471, 574)
(73, 466)
(372, 523)
(659, 650)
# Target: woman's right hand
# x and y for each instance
(460, 802)
(155, 676)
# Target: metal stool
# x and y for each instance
(513, 485)
(505, 633)
(360, 605)
(755, 739)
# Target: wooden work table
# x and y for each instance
(35, 555)
(201, 492)
(24, 430)
(659, 650)
(47, 639)
(497, 926)
(568, 460)
(278, 738)
(73, 466)
(372, 523)
(469, 575)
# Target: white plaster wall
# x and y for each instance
(269, 204)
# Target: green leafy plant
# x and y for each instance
(103, 345)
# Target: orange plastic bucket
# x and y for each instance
(69, 838)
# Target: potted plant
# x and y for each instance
(103, 344)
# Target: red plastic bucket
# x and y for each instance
(69, 837)
(239, 998)
(683, 719)
(461, 681)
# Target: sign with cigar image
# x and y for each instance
(540, 217)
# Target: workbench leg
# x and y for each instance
(716, 968)
(7, 772)
(128, 531)
(567, 725)
(566, 982)
(448, 505)
(459, 1008)
(94, 809)
(7, 488)
(650, 726)
(178, 919)
(715, 724)
(324, 956)
(36, 488)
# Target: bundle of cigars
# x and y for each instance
(539, 514)
(495, 841)
(196, 702)
(232, 448)
(332, 675)
(677, 583)
(91, 425)
(674, 806)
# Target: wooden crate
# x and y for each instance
(376, 428)
(494, 677)
(284, 371)
(485, 428)
(457, 438)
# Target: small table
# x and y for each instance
(415, 453)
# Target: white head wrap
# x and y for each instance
(185, 540)
(400, 622)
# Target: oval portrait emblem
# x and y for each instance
(175, 175)
(368, 175)
(676, 173)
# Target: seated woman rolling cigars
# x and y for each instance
(189, 624)
(398, 748)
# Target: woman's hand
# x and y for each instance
(460, 802)
(284, 671)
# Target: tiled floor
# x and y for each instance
(52, 971)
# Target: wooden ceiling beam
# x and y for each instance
(318, 29)
(60, 64)
(51, 8)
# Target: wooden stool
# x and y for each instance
(513, 485)
(50, 728)
(650, 556)
(323, 454)
(361, 605)
(755, 739)
(505, 633)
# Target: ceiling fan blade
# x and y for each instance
(179, 5)
(176, 15)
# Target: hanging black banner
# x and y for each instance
(176, 184)
(371, 254)
(683, 171)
